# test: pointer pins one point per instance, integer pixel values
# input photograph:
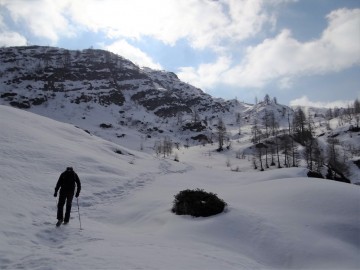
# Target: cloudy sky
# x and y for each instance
(300, 51)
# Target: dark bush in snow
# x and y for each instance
(314, 174)
(103, 125)
(197, 203)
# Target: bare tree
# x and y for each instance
(66, 59)
(334, 162)
(238, 122)
(357, 106)
(238, 118)
(286, 145)
(308, 154)
(318, 157)
(274, 125)
(179, 117)
(260, 149)
(294, 153)
(277, 143)
(46, 59)
(272, 152)
(289, 122)
(349, 113)
(195, 116)
(267, 99)
(164, 147)
(254, 162)
(357, 119)
(256, 131)
(221, 133)
(266, 123)
(299, 125)
(329, 114)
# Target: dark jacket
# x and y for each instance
(67, 181)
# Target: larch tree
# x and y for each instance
(221, 133)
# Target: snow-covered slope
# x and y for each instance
(276, 219)
(90, 88)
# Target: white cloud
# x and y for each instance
(12, 39)
(44, 18)
(304, 101)
(283, 57)
(206, 75)
(219, 25)
(123, 48)
(285, 83)
(203, 23)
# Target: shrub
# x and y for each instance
(197, 203)
(103, 125)
(314, 174)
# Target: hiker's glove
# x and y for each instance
(76, 195)
(55, 194)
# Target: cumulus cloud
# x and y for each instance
(202, 23)
(306, 102)
(12, 39)
(44, 18)
(206, 75)
(219, 26)
(283, 57)
(123, 48)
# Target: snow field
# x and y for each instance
(277, 219)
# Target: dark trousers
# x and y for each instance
(64, 197)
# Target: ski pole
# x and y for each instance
(77, 200)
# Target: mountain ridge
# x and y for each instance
(58, 69)
(110, 97)
(56, 82)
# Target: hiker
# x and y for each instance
(66, 184)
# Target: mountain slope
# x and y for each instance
(114, 99)
(93, 88)
(95, 76)
(277, 219)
